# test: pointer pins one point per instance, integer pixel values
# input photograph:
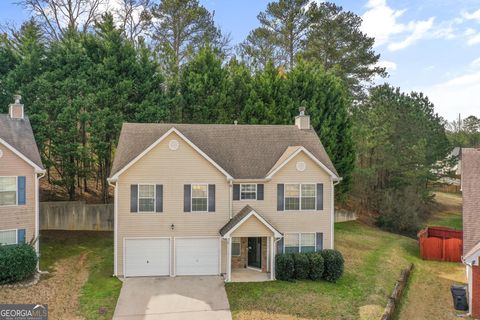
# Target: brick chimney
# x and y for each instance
(16, 109)
(302, 121)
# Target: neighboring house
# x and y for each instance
(471, 225)
(201, 199)
(20, 170)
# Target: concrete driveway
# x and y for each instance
(178, 298)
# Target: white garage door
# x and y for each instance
(147, 257)
(197, 256)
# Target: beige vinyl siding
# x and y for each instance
(295, 221)
(173, 169)
(252, 228)
(23, 216)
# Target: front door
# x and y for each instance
(255, 252)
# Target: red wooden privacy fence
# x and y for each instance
(441, 243)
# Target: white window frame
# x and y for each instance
(299, 196)
(16, 192)
(16, 236)
(256, 191)
(154, 197)
(191, 196)
(239, 247)
(300, 240)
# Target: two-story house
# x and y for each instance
(20, 171)
(471, 225)
(201, 199)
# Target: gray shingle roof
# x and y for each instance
(238, 217)
(244, 151)
(18, 133)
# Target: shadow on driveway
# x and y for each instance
(165, 298)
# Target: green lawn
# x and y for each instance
(98, 296)
(373, 261)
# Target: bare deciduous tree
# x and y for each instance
(58, 16)
(134, 17)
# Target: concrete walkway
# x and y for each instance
(178, 298)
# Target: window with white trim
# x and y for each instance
(300, 242)
(300, 196)
(236, 246)
(199, 197)
(146, 198)
(8, 237)
(8, 191)
(248, 191)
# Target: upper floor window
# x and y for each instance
(8, 191)
(300, 196)
(146, 198)
(248, 191)
(199, 197)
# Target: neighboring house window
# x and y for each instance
(300, 196)
(236, 246)
(8, 237)
(299, 242)
(146, 198)
(199, 197)
(8, 191)
(248, 191)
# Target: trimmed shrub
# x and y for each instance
(17, 263)
(301, 266)
(316, 266)
(333, 262)
(284, 267)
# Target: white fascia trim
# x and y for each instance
(253, 213)
(308, 153)
(23, 157)
(472, 257)
(153, 145)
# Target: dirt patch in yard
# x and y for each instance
(60, 289)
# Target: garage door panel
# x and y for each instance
(147, 257)
(197, 256)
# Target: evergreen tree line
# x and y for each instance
(169, 62)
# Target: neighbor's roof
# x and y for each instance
(470, 182)
(244, 151)
(18, 134)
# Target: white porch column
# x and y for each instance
(272, 258)
(229, 259)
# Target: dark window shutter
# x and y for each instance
(211, 198)
(319, 196)
(159, 198)
(280, 199)
(260, 191)
(134, 198)
(280, 246)
(236, 192)
(21, 235)
(21, 191)
(187, 197)
(319, 246)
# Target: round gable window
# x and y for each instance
(173, 144)
(301, 166)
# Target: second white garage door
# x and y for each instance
(197, 256)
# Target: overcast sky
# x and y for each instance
(431, 46)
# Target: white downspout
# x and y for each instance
(37, 216)
(332, 231)
(230, 199)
